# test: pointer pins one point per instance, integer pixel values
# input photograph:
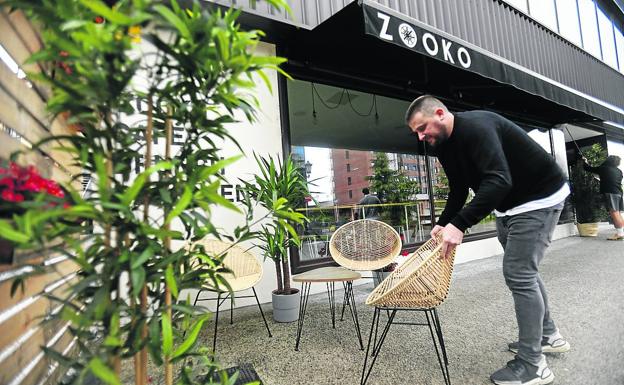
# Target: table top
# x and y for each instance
(327, 274)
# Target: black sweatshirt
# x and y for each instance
(499, 161)
(610, 178)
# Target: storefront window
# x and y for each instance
(362, 162)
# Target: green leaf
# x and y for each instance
(73, 24)
(188, 343)
(7, 232)
(109, 14)
(215, 167)
(137, 276)
(103, 372)
(222, 201)
(131, 193)
(145, 255)
(167, 334)
(182, 204)
(174, 19)
(171, 282)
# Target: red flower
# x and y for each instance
(10, 196)
(64, 53)
(99, 20)
(404, 253)
(8, 182)
(19, 184)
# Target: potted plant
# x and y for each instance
(280, 188)
(163, 66)
(23, 188)
(586, 192)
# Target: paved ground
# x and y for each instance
(585, 279)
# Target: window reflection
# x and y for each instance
(390, 187)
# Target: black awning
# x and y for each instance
(368, 41)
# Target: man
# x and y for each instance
(511, 174)
(371, 212)
(611, 190)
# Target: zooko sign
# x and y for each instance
(397, 31)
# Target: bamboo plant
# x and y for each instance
(280, 188)
(163, 67)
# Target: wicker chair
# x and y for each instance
(420, 284)
(365, 244)
(246, 272)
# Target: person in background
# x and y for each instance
(611, 190)
(514, 177)
(370, 212)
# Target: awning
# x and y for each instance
(368, 41)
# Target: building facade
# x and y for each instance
(554, 67)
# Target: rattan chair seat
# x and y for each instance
(365, 244)
(422, 281)
(246, 270)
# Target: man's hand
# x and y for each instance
(435, 231)
(451, 238)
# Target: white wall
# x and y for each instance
(264, 137)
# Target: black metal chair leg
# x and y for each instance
(354, 315)
(432, 325)
(303, 304)
(261, 312)
(384, 333)
(370, 339)
(331, 295)
(438, 328)
(381, 341)
(231, 310)
(375, 340)
(345, 298)
(197, 297)
(214, 340)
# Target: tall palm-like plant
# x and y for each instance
(163, 66)
(280, 188)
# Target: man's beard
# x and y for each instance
(440, 138)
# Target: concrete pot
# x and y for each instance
(286, 307)
(587, 229)
(379, 276)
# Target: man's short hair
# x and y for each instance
(365, 191)
(426, 104)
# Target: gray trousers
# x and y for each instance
(525, 237)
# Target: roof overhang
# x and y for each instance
(386, 52)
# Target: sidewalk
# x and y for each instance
(585, 280)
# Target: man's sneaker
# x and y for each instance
(519, 372)
(552, 344)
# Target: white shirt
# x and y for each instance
(543, 203)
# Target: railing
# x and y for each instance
(412, 220)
